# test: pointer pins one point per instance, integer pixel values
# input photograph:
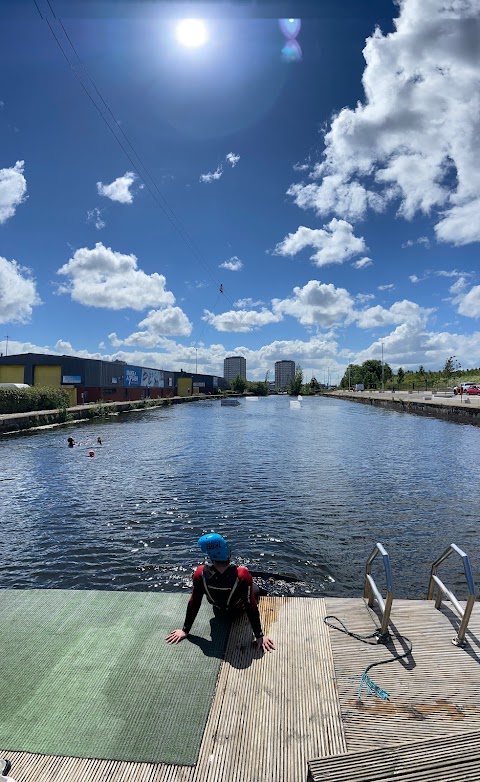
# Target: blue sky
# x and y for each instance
(335, 197)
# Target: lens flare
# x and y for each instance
(191, 33)
(291, 52)
(290, 27)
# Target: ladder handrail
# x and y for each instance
(371, 590)
(435, 581)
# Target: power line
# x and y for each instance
(160, 201)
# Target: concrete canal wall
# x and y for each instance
(464, 410)
(37, 419)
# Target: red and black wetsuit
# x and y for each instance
(226, 591)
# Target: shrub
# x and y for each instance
(24, 400)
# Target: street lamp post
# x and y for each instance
(349, 379)
(383, 375)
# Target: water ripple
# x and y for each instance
(301, 494)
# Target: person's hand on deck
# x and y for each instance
(175, 636)
(265, 643)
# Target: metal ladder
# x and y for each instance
(443, 591)
(371, 592)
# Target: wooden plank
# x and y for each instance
(437, 693)
(271, 713)
(400, 761)
(48, 768)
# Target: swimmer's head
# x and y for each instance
(215, 547)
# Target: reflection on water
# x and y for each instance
(300, 493)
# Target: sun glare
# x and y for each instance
(191, 33)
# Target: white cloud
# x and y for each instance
(468, 303)
(414, 138)
(158, 324)
(232, 158)
(413, 278)
(453, 273)
(461, 224)
(95, 216)
(334, 243)
(119, 189)
(234, 264)
(168, 322)
(18, 293)
(362, 298)
(459, 287)
(411, 344)
(401, 312)
(13, 189)
(241, 320)
(212, 176)
(363, 263)
(317, 304)
(422, 240)
(388, 287)
(244, 303)
(102, 277)
(2, 104)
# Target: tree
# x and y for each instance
(374, 367)
(451, 366)
(421, 370)
(239, 385)
(258, 387)
(400, 375)
(296, 382)
(353, 375)
(314, 385)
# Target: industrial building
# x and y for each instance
(234, 366)
(92, 380)
(284, 374)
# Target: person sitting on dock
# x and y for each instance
(226, 586)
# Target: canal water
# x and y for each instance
(301, 494)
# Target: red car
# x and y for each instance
(472, 390)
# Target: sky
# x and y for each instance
(279, 188)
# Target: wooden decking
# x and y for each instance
(271, 715)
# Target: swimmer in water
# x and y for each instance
(99, 440)
(71, 442)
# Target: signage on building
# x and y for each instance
(114, 380)
(132, 376)
(152, 378)
(198, 384)
(70, 379)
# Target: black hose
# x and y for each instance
(373, 688)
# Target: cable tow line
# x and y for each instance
(373, 639)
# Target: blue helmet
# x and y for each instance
(215, 547)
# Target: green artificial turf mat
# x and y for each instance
(88, 674)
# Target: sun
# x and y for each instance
(191, 33)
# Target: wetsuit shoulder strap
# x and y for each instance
(232, 592)
(209, 594)
(207, 591)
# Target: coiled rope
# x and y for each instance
(365, 680)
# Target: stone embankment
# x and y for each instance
(460, 409)
(38, 419)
